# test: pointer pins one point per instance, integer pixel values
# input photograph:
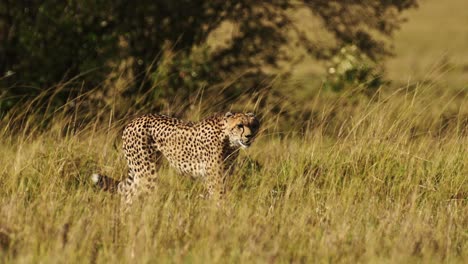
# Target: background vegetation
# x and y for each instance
(173, 49)
(361, 157)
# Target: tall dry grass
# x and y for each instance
(333, 178)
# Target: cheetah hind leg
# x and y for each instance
(138, 185)
(128, 188)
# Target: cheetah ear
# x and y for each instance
(250, 114)
(228, 114)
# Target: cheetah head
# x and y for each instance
(241, 129)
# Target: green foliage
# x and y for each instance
(350, 68)
(82, 42)
(183, 74)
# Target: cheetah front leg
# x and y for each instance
(214, 187)
(214, 182)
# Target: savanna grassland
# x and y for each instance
(338, 177)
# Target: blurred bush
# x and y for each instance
(350, 68)
(163, 44)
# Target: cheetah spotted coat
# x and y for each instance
(205, 149)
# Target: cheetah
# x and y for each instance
(206, 149)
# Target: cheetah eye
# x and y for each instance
(240, 126)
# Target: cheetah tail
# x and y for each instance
(104, 182)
